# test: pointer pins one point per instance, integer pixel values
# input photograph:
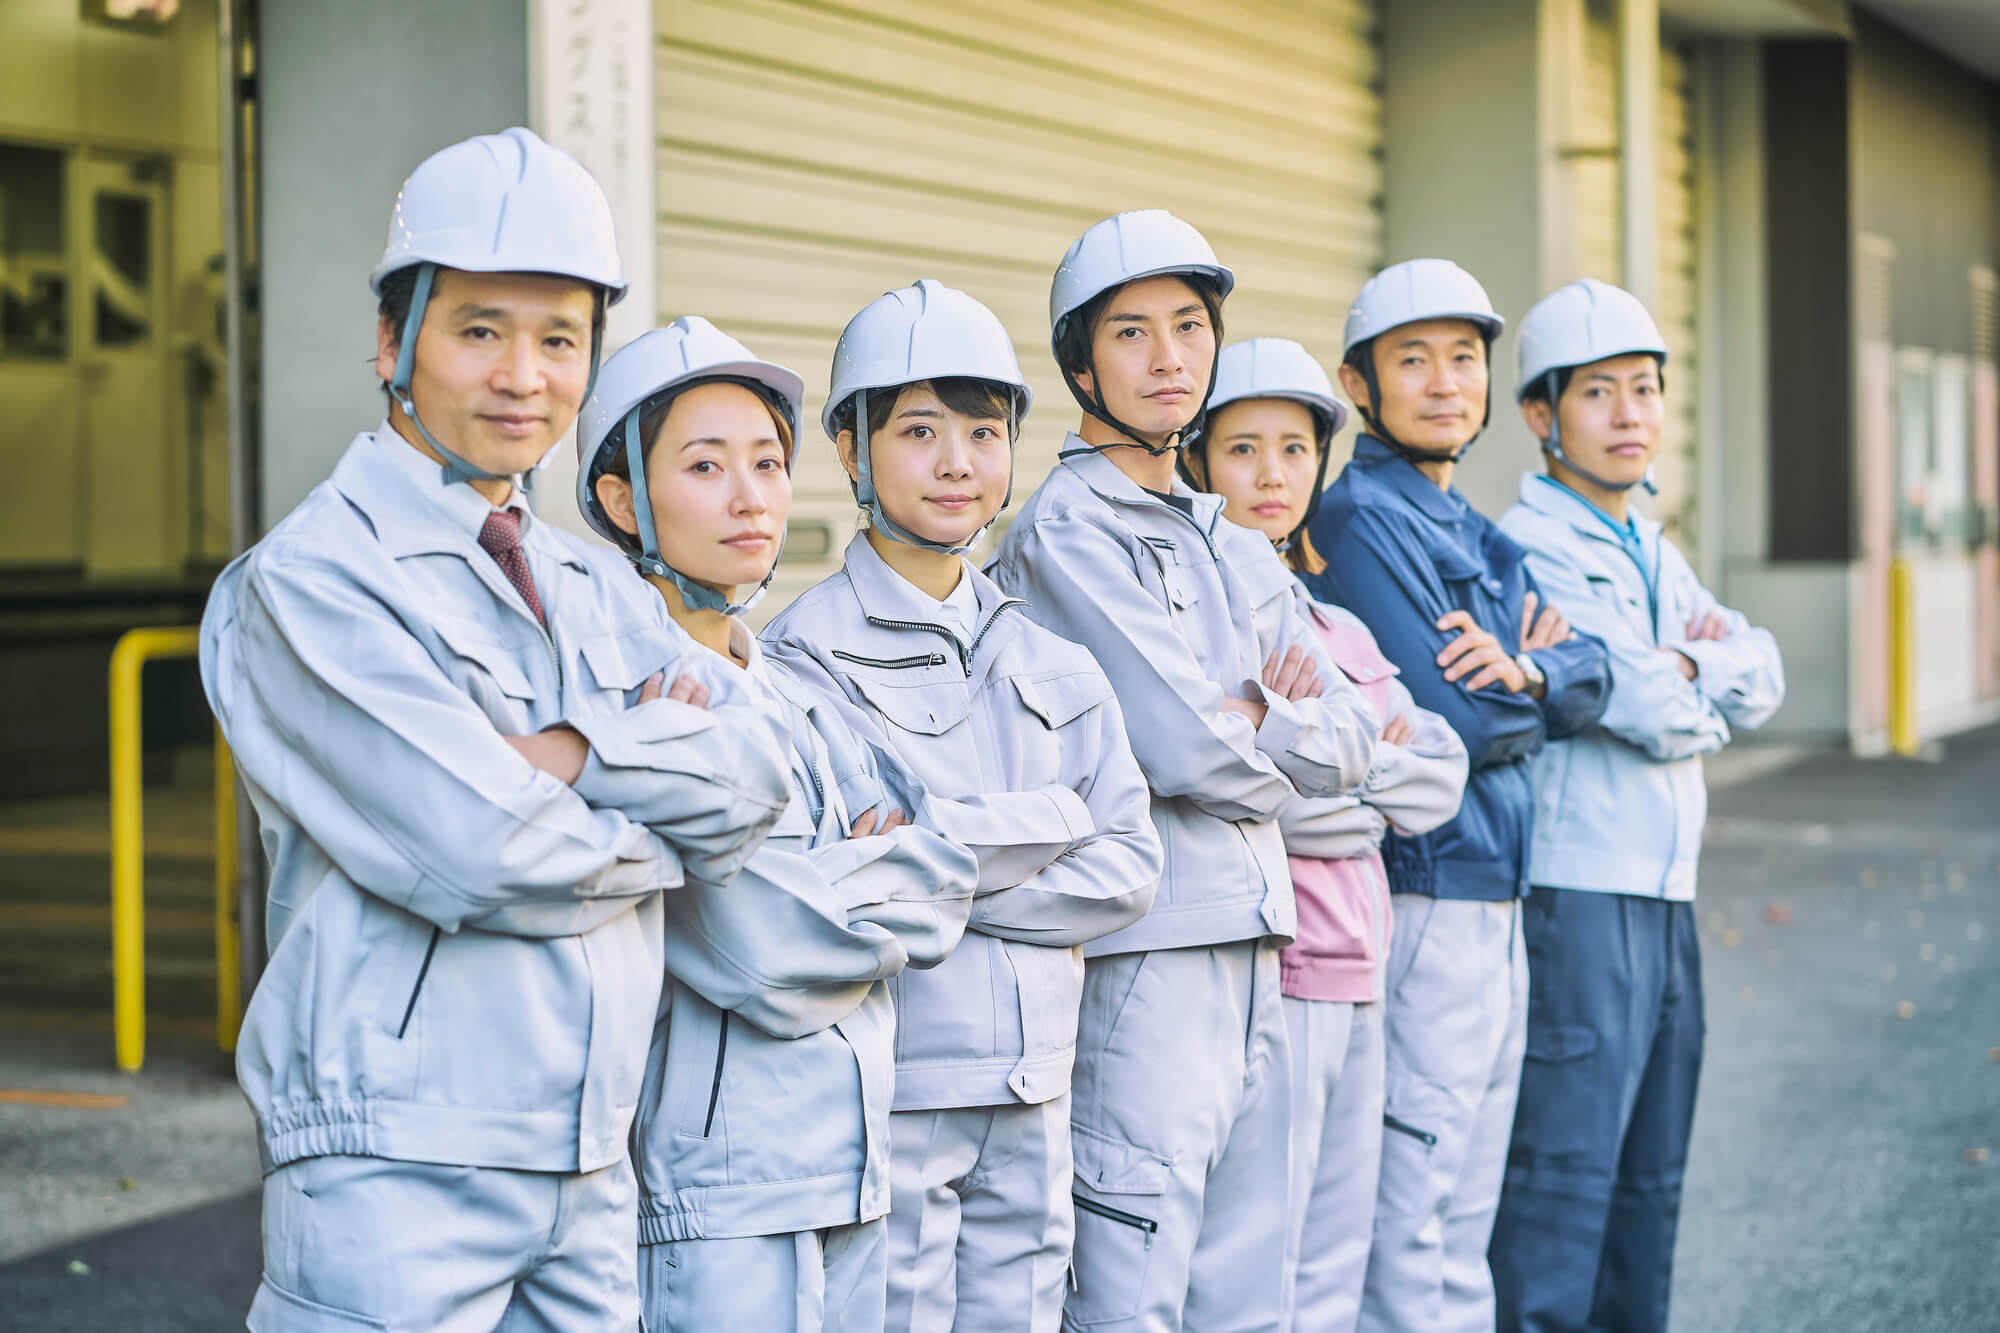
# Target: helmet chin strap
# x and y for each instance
(866, 495)
(1381, 432)
(456, 467)
(1094, 405)
(698, 596)
(1553, 446)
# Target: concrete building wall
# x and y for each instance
(1463, 179)
(352, 98)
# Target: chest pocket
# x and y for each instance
(1035, 746)
(624, 660)
(1183, 593)
(484, 667)
(1470, 586)
(1060, 700)
(1371, 673)
(923, 708)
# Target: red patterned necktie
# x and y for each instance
(501, 538)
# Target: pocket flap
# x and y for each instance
(1557, 1045)
(1182, 590)
(276, 1310)
(478, 645)
(1112, 1166)
(624, 660)
(1060, 699)
(928, 709)
(1455, 566)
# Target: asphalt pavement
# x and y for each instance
(1845, 1175)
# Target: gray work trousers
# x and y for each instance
(827, 1281)
(415, 1247)
(1182, 1121)
(1457, 1026)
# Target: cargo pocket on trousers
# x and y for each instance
(1419, 1153)
(1561, 1117)
(1119, 1191)
(276, 1310)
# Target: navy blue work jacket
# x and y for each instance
(1401, 554)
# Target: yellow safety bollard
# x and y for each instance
(1903, 737)
(128, 851)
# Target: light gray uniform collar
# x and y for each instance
(414, 512)
(1104, 477)
(889, 600)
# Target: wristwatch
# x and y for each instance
(1537, 682)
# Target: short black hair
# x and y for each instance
(1079, 327)
(964, 394)
(1537, 389)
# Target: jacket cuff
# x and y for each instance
(1282, 724)
(1075, 814)
(1715, 666)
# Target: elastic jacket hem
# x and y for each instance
(764, 1208)
(1203, 925)
(935, 1085)
(454, 1135)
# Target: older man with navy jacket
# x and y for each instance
(1452, 602)
(1585, 1236)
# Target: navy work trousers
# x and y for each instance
(1585, 1235)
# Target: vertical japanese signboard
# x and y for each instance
(590, 66)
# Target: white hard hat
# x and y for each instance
(504, 203)
(925, 332)
(687, 350)
(1583, 322)
(1277, 368)
(1418, 289)
(1144, 243)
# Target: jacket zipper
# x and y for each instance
(548, 639)
(891, 663)
(1424, 1136)
(965, 651)
(417, 989)
(1105, 1210)
(715, 1088)
(1004, 606)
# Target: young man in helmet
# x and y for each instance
(1021, 743)
(761, 1140)
(1271, 425)
(1182, 1104)
(449, 719)
(1453, 604)
(1585, 1236)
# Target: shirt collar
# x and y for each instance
(1544, 493)
(466, 508)
(416, 512)
(1400, 475)
(886, 595)
(1109, 480)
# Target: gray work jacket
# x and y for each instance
(466, 953)
(1023, 748)
(766, 1110)
(1155, 592)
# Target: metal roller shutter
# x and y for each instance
(813, 155)
(1599, 239)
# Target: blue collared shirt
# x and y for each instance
(1401, 553)
(1626, 534)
